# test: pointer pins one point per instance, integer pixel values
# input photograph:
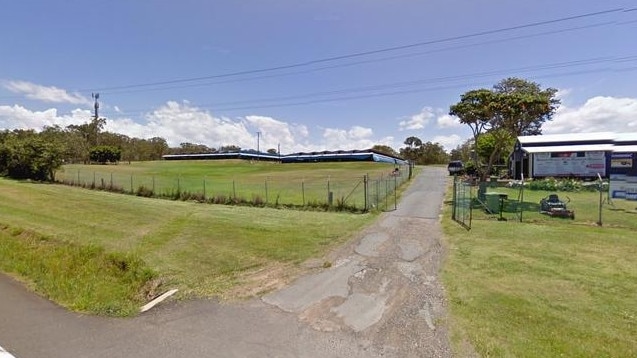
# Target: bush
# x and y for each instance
(566, 184)
(144, 191)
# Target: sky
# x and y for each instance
(310, 75)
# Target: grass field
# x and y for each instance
(204, 250)
(272, 183)
(546, 287)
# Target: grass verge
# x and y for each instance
(542, 289)
(83, 278)
(203, 250)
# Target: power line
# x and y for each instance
(439, 79)
(349, 64)
(363, 53)
(350, 94)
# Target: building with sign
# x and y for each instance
(580, 155)
(583, 155)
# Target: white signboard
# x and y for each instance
(576, 164)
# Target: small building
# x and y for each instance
(623, 167)
(582, 155)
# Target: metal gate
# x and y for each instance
(461, 202)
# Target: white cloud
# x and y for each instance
(275, 133)
(18, 117)
(449, 142)
(46, 94)
(448, 121)
(418, 121)
(563, 93)
(355, 138)
(598, 114)
(181, 122)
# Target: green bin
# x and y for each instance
(493, 202)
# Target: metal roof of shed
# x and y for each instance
(625, 149)
(570, 148)
(570, 137)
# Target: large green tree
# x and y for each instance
(25, 154)
(423, 153)
(385, 149)
(513, 107)
(105, 154)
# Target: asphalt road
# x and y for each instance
(382, 297)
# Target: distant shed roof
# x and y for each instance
(566, 138)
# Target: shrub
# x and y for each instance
(566, 184)
(144, 191)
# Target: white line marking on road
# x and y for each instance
(152, 303)
(5, 354)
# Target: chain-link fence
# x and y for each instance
(362, 193)
(576, 202)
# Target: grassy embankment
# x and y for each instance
(546, 287)
(106, 253)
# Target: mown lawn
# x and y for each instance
(546, 287)
(204, 250)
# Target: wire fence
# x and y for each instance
(362, 193)
(588, 204)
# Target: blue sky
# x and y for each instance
(310, 75)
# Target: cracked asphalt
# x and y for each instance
(382, 297)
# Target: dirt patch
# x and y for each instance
(256, 283)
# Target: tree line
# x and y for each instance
(496, 116)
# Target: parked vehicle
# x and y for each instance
(455, 167)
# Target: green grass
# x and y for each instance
(81, 277)
(204, 250)
(585, 204)
(546, 287)
(273, 183)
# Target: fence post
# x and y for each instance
(365, 182)
(131, 183)
(93, 179)
(266, 190)
(386, 193)
(377, 193)
(454, 197)
(78, 177)
(153, 185)
(204, 188)
(303, 191)
(599, 222)
(111, 181)
(234, 191)
(395, 193)
(329, 192)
